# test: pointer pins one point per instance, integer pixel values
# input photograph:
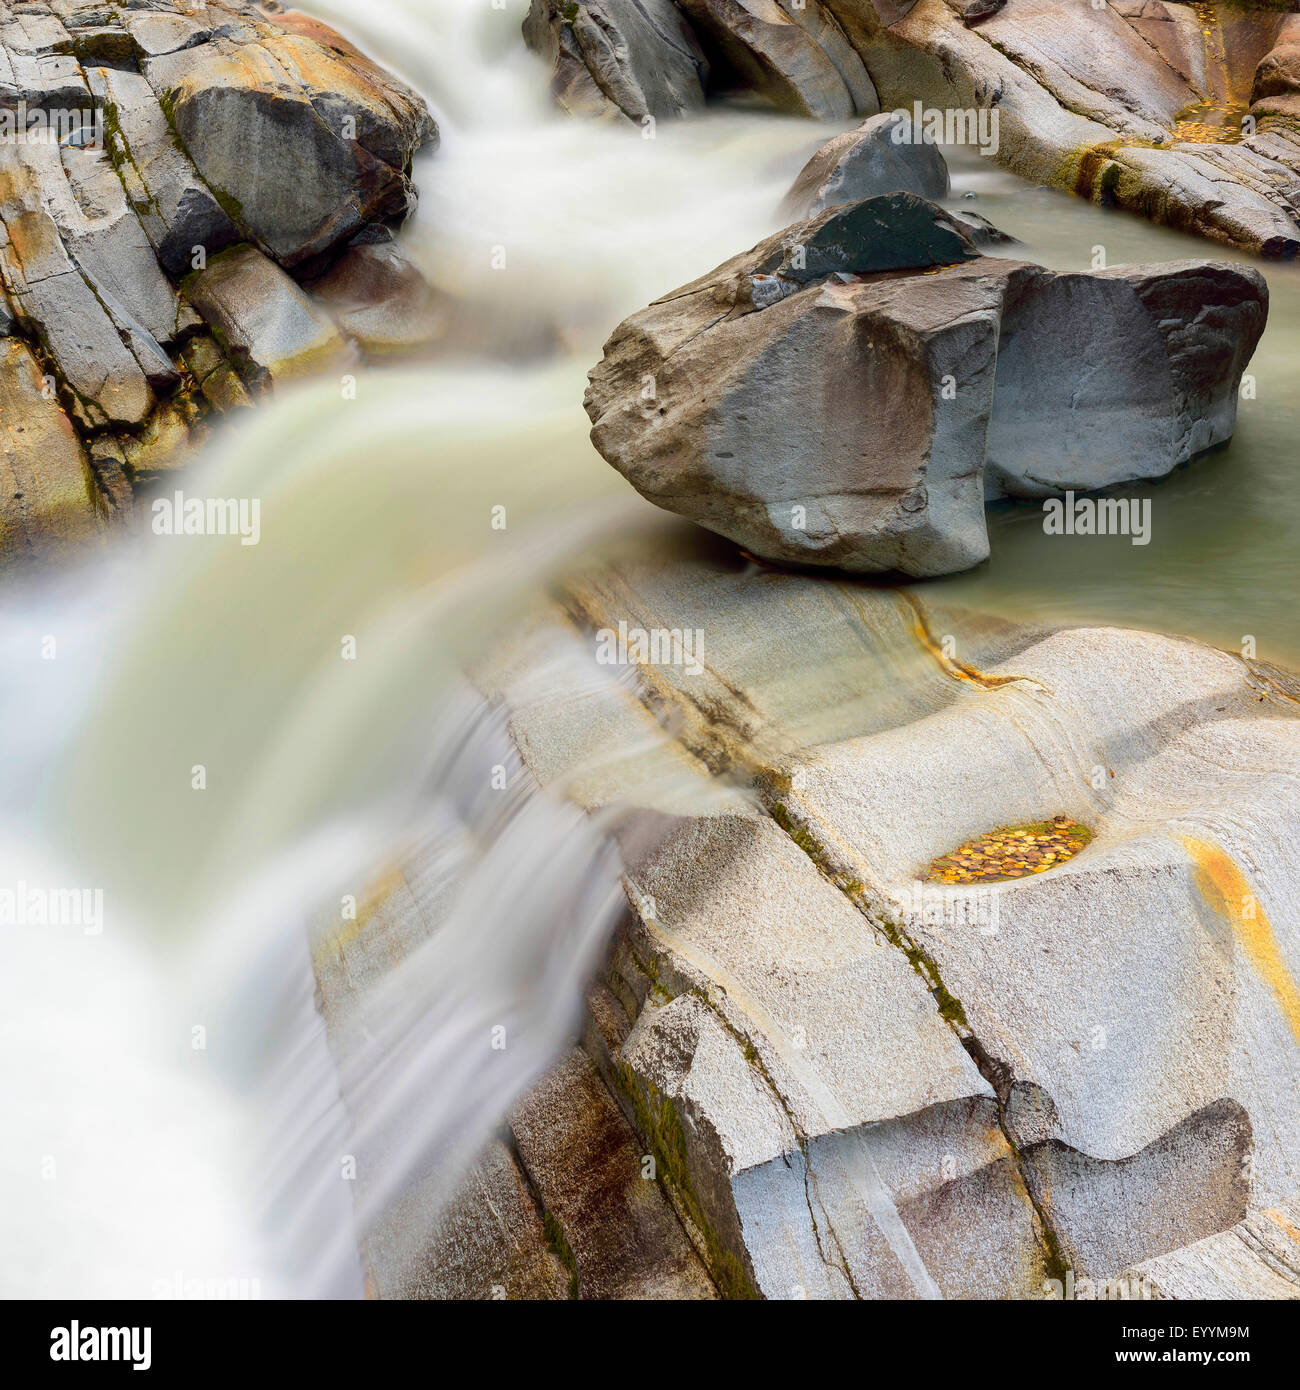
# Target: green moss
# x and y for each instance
(796, 832)
(559, 1246)
(656, 1121)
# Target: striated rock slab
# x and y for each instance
(855, 1084)
(858, 1085)
(47, 492)
(815, 402)
(633, 58)
(1093, 100)
(1257, 1258)
(181, 134)
(582, 1156)
(639, 58)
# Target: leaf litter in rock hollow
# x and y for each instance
(1013, 851)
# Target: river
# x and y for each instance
(376, 527)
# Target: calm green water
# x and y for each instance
(1223, 560)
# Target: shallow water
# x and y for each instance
(1223, 560)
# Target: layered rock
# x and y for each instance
(615, 58)
(226, 145)
(857, 1084)
(1138, 104)
(795, 58)
(1257, 1258)
(1188, 114)
(639, 58)
(851, 391)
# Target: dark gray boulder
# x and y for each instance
(634, 57)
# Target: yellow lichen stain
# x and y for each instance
(1224, 887)
(1278, 1218)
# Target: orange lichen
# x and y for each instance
(1225, 888)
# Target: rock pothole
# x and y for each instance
(1011, 852)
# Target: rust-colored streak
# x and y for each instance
(1225, 888)
(958, 670)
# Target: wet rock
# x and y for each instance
(1091, 100)
(208, 128)
(812, 404)
(795, 59)
(621, 1235)
(47, 497)
(879, 157)
(488, 1242)
(271, 328)
(980, 230)
(380, 300)
(974, 12)
(252, 116)
(634, 57)
(57, 299)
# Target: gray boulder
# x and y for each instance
(815, 405)
(878, 157)
(634, 57)
(795, 59)
(273, 330)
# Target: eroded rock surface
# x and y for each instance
(1186, 113)
(218, 142)
(856, 1084)
(615, 58)
(851, 390)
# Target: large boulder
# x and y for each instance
(882, 155)
(634, 57)
(250, 117)
(851, 390)
(794, 57)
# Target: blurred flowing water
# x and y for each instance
(175, 1117)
